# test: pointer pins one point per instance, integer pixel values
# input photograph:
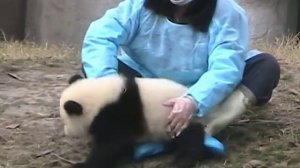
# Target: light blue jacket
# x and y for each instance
(210, 64)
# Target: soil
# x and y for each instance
(31, 134)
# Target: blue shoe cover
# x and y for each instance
(155, 148)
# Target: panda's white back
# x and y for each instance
(154, 92)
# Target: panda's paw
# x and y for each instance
(79, 165)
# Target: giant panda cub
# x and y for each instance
(118, 112)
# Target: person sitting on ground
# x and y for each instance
(202, 44)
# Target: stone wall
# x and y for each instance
(62, 21)
(12, 19)
(65, 21)
(271, 18)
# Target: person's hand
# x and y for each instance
(183, 109)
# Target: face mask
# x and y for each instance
(180, 2)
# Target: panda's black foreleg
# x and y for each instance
(107, 155)
(189, 147)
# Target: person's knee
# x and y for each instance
(262, 77)
(271, 63)
(271, 67)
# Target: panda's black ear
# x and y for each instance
(74, 78)
(73, 108)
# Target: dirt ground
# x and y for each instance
(30, 130)
(31, 134)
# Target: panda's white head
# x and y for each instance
(83, 99)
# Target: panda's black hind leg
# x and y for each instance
(189, 147)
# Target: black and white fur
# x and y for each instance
(117, 112)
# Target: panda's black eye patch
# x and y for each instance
(73, 108)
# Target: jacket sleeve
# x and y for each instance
(227, 52)
(105, 35)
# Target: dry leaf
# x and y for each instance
(293, 144)
(13, 126)
(255, 164)
(294, 92)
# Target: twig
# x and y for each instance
(14, 76)
(244, 122)
(43, 153)
(265, 121)
(3, 34)
(63, 159)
